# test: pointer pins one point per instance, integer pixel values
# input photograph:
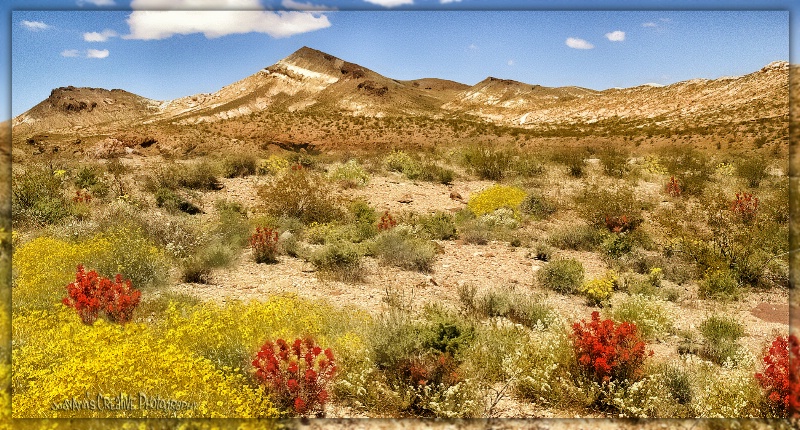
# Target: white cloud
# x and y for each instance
(616, 36)
(297, 5)
(34, 25)
(154, 25)
(241, 16)
(472, 47)
(196, 4)
(96, 53)
(448, 1)
(96, 2)
(390, 3)
(71, 53)
(575, 43)
(650, 24)
(511, 63)
(99, 37)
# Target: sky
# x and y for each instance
(139, 46)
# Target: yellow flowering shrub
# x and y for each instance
(58, 358)
(496, 197)
(725, 169)
(653, 165)
(273, 165)
(599, 290)
(44, 266)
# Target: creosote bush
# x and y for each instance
(648, 314)
(721, 336)
(339, 261)
(397, 247)
(238, 165)
(301, 194)
(562, 275)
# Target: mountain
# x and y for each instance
(312, 83)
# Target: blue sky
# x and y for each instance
(164, 55)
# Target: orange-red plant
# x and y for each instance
(386, 222)
(673, 187)
(81, 197)
(297, 374)
(91, 294)
(745, 206)
(781, 376)
(620, 224)
(607, 351)
(265, 245)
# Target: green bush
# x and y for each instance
(133, 255)
(690, 167)
(432, 172)
(576, 237)
(753, 169)
(649, 315)
(90, 178)
(340, 261)
(350, 174)
(198, 176)
(37, 196)
(399, 248)
(614, 161)
(679, 383)
(298, 193)
(173, 202)
(437, 226)
(562, 275)
(615, 209)
(528, 311)
(719, 284)
(537, 207)
(237, 165)
(572, 158)
(721, 336)
(488, 163)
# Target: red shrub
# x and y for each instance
(386, 222)
(81, 197)
(608, 351)
(781, 376)
(620, 224)
(91, 293)
(265, 245)
(673, 187)
(745, 206)
(431, 370)
(296, 375)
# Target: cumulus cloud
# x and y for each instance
(616, 36)
(96, 53)
(154, 25)
(390, 3)
(99, 37)
(70, 53)
(575, 43)
(34, 25)
(197, 4)
(297, 5)
(247, 16)
(96, 2)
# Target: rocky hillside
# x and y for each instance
(313, 82)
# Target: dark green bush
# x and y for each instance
(615, 209)
(563, 275)
(37, 196)
(614, 161)
(236, 165)
(173, 202)
(753, 169)
(340, 261)
(488, 163)
(301, 194)
(690, 167)
(398, 248)
(537, 206)
(576, 237)
(721, 335)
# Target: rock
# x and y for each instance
(286, 235)
(456, 196)
(405, 199)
